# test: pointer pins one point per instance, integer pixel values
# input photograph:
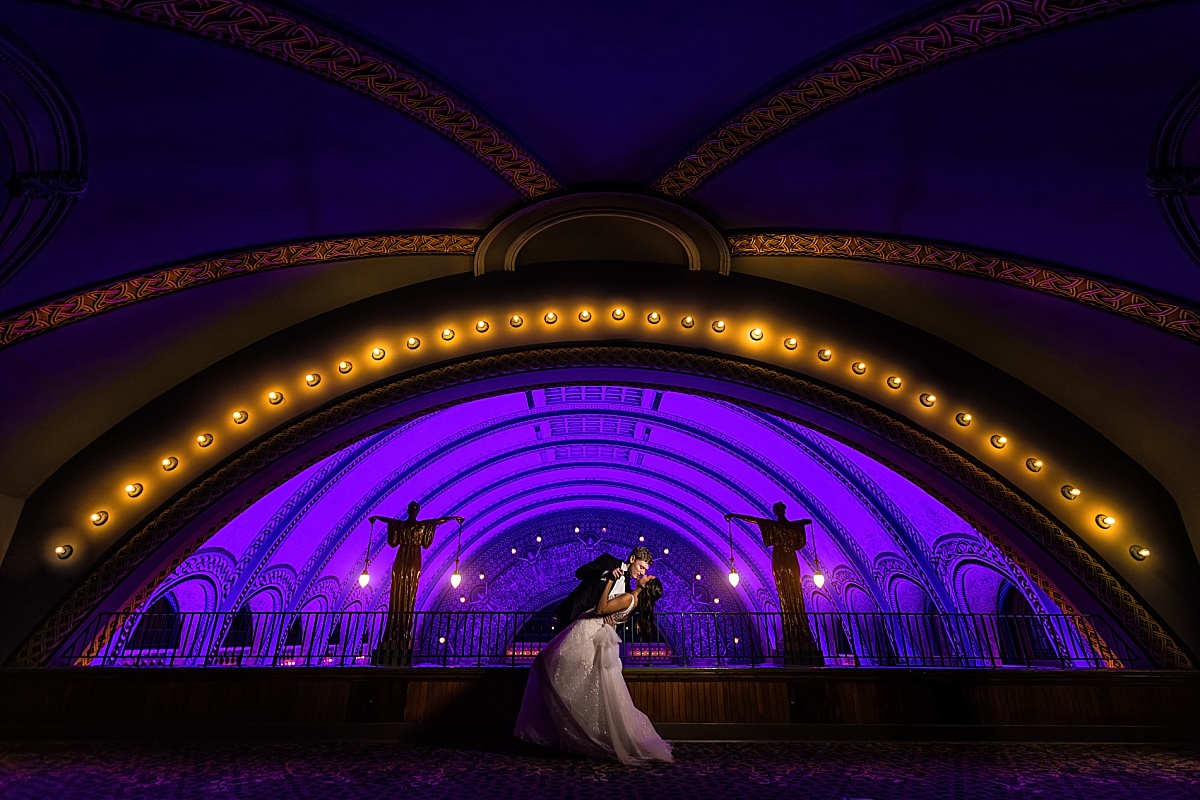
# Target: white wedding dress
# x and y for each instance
(576, 698)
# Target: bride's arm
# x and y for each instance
(618, 603)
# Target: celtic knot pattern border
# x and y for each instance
(142, 543)
(303, 44)
(1169, 316)
(963, 31)
(90, 302)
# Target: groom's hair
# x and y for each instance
(641, 554)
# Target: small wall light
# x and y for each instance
(1070, 492)
(999, 441)
(1137, 552)
(825, 354)
(687, 322)
(204, 439)
(1034, 464)
(550, 318)
(99, 518)
(618, 314)
(858, 368)
(413, 343)
(240, 416)
(719, 326)
(756, 334)
(274, 398)
(133, 489)
(312, 378)
(516, 321)
(928, 399)
(894, 382)
(654, 318)
(378, 353)
(447, 334)
(791, 343)
(963, 418)
(666, 551)
(344, 367)
(585, 316)
(1105, 521)
(63, 551)
(482, 326)
(481, 576)
(697, 576)
(169, 463)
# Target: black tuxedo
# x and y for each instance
(593, 577)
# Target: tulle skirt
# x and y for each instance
(576, 699)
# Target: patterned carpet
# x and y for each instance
(798, 771)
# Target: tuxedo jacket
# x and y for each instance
(593, 577)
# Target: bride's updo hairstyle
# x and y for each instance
(643, 623)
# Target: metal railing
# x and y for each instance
(676, 639)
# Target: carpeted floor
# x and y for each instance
(731, 771)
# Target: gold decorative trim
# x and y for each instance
(290, 39)
(1169, 316)
(963, 31)
(90, 302)
(40, 646)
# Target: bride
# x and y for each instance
(576, 698)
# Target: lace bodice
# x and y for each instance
(623, 614)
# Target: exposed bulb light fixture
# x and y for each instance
(63, 551)
(618, 314)
(364, 578)
(516, 321)
(585, 316)
(204, 439)
(312, 378)
(687, 321)
(1105, 521)
(999, 441)
(169, 463)
(550, 318)
(654, 318)
(818, 580)
(344, 367)
(825, 354)
(378, 353)
(482, 326)
(894, 382)
(447, 334)
(240, 416)
(697, 576)
(455, 577)
(666, 551)
(790, 343)
(734, 578)
(1137, 552)
(99, 518)
(928, 399)
(719, 326)
(481, 576)
(413, 343)
(1070, 492)
(133, 489)
(1034, 464)
(756, 334)
(858, 368)
(963, 418)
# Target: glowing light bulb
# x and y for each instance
(585, 316)
(482, 326)
(413, 343)
(516, 321)
(364, 578)
(462, 598)
(455, 578)
(999, 441)
(894, 382)
(666, 551)
(734, 578)
(344, 367)
(312, 378)
(63, 551)
(441, 640)
(1105, 521)
(818, 580)
(447, 334)
(858, 367)
(204, 439)
(550, 318)
(240, 416)
(687, 322)
(928, 399)
(1137, 552)
(169, 463)
(654, 318)
(825, 354)
(481, 576)
(719, 326)
(1034, 464)
(99, 518)
(133, 489)
(618, 314)
(756, 334)
(697, 576)
(963, 418)
(717, 600)
(1070, 492)
(791, 343)
(514, 551)
(538, 539)
(378, 353)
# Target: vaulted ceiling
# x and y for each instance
(1017, 178)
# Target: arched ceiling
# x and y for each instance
(1013, 128)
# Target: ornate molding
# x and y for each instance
(1169, 180)
(1168, 315)
(45, 138)
(142, 543)
(960, 32)
(304, 44)
(76, 307)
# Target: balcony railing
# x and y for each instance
(678, 639)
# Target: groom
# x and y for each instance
(592, 578)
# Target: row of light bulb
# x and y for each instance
(756, 334)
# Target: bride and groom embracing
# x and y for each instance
(576, 698)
